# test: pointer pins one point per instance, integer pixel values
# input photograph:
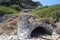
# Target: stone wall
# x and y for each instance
(26, 24)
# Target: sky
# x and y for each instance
(48, 2)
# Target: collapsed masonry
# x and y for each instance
(28, 27)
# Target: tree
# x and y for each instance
(38, 3)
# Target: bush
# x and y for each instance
(15, 7)
(5, 10)
(58, 14)
(45, 20)
(48, 11)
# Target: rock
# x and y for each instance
(28, 26)
(8, 23)
(57, 29)
(1, 32)
(57, 24)
(54, 35)
(2, 19)
(47, 37)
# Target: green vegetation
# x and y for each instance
(46, 20)
(20, 3)
(6, 10)
(14, 6)
(48, 11)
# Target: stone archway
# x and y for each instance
(25, 28)
(39, 31)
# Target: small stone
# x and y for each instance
(1, 32)
(46, 37)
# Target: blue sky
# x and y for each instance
(48, 2)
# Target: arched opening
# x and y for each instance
(38, 32)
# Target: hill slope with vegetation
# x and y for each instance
(13, 6)
(48, 11)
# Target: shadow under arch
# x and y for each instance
(39, 31)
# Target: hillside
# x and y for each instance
(9, 11)
(15, 6)
(20, 3)
(48, 11)
(28, 14)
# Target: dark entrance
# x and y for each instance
(38, 32)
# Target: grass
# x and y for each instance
(47, 11)
(6, 10)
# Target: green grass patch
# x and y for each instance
(48, 11)
(6, 10)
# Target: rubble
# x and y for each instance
(25, 26)
(28, 26)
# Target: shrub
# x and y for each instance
(15, 7)
(55, 14)
(6, 10)
(58, 14)
(45, 20)
(48, 11)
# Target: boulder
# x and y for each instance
(25, 27)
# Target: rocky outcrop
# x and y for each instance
(26, 24)
(29, 4)
(8, 24)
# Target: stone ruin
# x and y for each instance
(29, 28)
